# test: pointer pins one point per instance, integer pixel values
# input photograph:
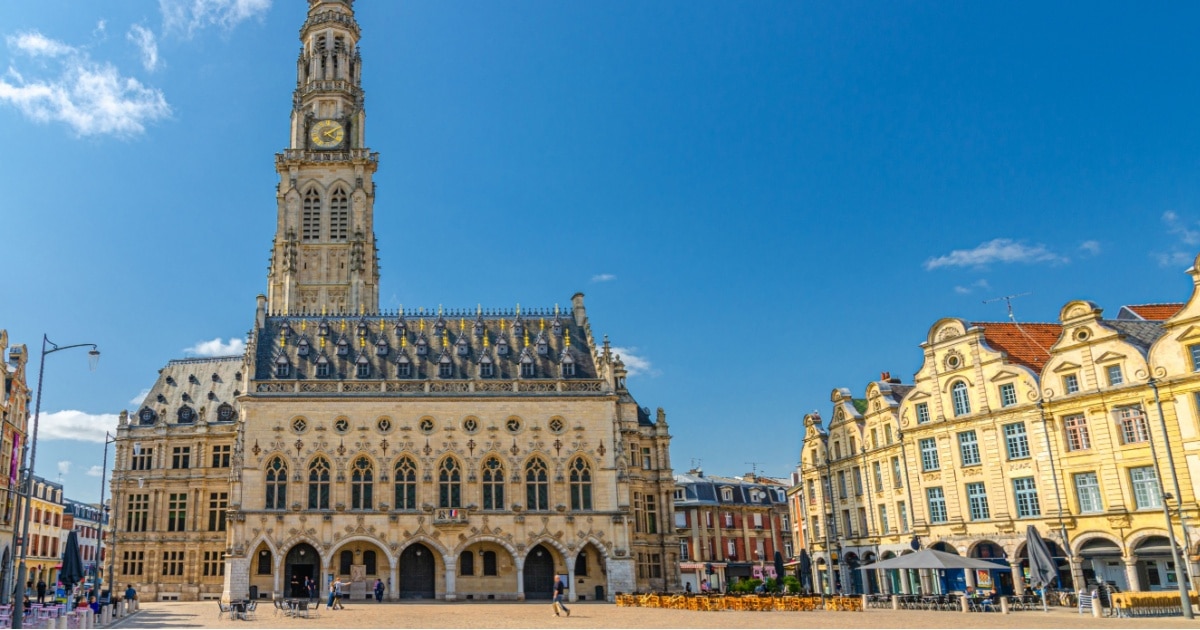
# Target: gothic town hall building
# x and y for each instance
(456, 454)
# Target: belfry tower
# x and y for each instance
(323, 258)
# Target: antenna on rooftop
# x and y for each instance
(753, 466)
(1008, 301)
(696, 461)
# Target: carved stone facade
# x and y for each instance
(1081, 428)
(450, 454)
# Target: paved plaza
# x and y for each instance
(599, 615)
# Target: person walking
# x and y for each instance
(41, 591)
(559, 587)
(378, 590)
(335, 595)
(310, 587)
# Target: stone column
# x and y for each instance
(969, 576)
(520, 563)
(570, 578)
(905, 588)
(394, 579)
(277, 577)
(451, 569)
(1131, 574)
(1076, 564)
(1018, 578)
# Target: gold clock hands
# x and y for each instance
(329, 133)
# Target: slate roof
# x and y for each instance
(1150, 312)
(700, 489)
(459, 339)
(1024, 344)
(201, 385)
(1142, 334)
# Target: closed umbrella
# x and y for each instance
(779, 569)
(1042, 568)
(805, 569)
(72, 565)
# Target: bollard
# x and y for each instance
(895, 602)
(1097, 611)
(60, 621)
(87, 618)
(966, 604)
(864, 602)
(1004, 605)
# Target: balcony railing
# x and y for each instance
(450, 516)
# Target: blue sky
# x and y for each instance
(761, 200)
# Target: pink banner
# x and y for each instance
(16, 460)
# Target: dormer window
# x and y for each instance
(186, 415)
(502, 347)
(727, 495)
(362, 329)
(160, 398)
(557, 328)
(323, 329)
(322, 367)
(285, 329)
(225, 413)
(445, 368)
(422, 347)
(527, 367)
(343, 347)
(401, 329)
(568, 366)
(283, 369)
(518, 329)
(543, 348)
(302, 348)
(439, 326)
(478, 329)
(147, 416)
(487, 369)
(403, 367)
(363, 367)
(462, 346)
(1071, 383)
(381, 347)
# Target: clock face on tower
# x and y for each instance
(327, 134)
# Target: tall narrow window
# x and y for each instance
(922, 414)
(339, 215)
(977, 500)
(489, 563)
(1078, 438)
(968, 448)
(581, 485)
(1008, 395)
(318, 484)
(962, 403)
(537, 485)
(370, 562)
(362, 485)
(897, 480)
(1146, 493)
(177, 512)
(449, 484)
(929, 455)
(1114, 375)
(937, 505)
(493, 484)
(878, 469)
(1134, 429)
(1087, 490)
(218, 503)
(1071, 383)
(138, 515)
(276, 484)
(466, 563)
(1025, 490)
(406, 484)
(1016, 440)
(311, 217)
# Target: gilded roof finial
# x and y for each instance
(518, 309)
(502, 325)
(282, 339)
(322, 342)
(360, 308)
(322, 310)
(303, 325)
(479, 309)
(556, 309)
(542, 324)
(526, 338)
(462, 323)
(445, 338)
(381, 325)
(422, 324)
(439, 310)
(567, 337)
(403, 341)
(343, 325)
(485, 341)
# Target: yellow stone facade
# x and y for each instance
(447, 453)
(1078, 428)
(15, 397)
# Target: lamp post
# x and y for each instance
(1181, 569)
(108, 439)
(830, 517)
(22, 524)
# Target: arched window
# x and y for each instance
(339, 215)
(466, 563)
(322, 367)
(493, 484)
(449, 484)
(310, 229)
(318, 484)
(265, 562)
(362, 485)
(186, 415)
(276, 484)
(537, 485)
(489, 563)
(581, 484)
(225, 413)
(406, 484)
(527, 368)
(962, 404)
(370, 565)
(581, 564)
(345, 561)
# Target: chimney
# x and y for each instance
(578, 310)
(751, 477)
(885, 376)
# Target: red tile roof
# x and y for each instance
(1156, 312)
(1025, 344)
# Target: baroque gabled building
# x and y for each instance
(1084, 428)
(450, 453)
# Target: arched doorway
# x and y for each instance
(1101, 559)
(856, 582)
(417, 576)
(892, 576)
(302, 561)
(872, 574)
(999, 579)
(1155, 565)
(539, 574)
(949, 580)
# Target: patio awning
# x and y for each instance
(933, 559)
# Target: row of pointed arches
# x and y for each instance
(366, 483)
(336, 223)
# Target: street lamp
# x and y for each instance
(830, 517)
(1181, 570)
(108, 439)
(22, 524)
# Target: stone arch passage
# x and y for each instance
(417, 573)
(301, 561)
(539, 574)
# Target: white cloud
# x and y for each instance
(1091, 247)
(1185, 231)
(91, 97)
(95, 471)
(635, 362)
(136, 401)
(217, 348)
(64, 466)
(1174, 259)
(981, 284)
(603, 277)
(76, 425)
(188, 16)
(143, 38)
(1002, 250)
(35, 44)
(100, 32)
